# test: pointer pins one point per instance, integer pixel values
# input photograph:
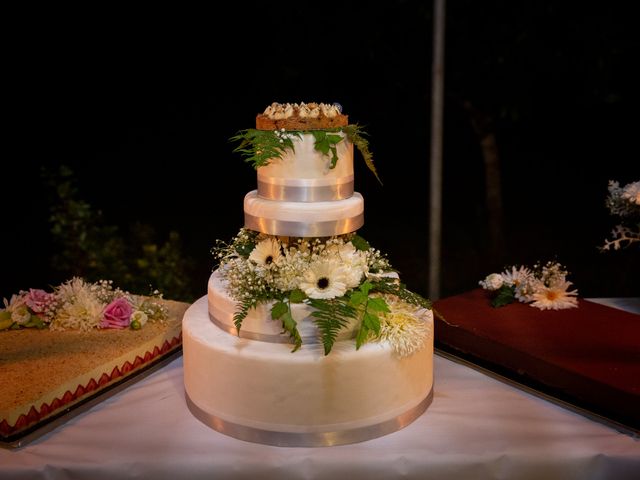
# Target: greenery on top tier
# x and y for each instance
(259, 147)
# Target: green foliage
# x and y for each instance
(242, 244)
(87, 246)
(370, 308)
(330, 316)
(260, 146)
(356, 135)
(391, 286)
(326, 142)
(504, 296)
(241, 313)
(281, 310)
(297, 296)
(360, 243)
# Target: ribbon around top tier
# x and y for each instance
(287, 228)
(304, 190)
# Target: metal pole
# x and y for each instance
(435, 181)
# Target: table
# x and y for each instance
(477, 427)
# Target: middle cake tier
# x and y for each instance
(297, 219)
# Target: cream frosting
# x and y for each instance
(263, 385)
(306, 166)
(303, 212)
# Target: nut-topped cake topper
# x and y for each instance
(301, 116)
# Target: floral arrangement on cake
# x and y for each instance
(623, 202)
(80, 305)
(544, 286)
(343, 278)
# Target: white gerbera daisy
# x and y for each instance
(555, 297)
(266, 253)
(324, 279)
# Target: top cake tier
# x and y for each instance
(316, 163)
(301, 116)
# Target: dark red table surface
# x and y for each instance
(591, 352)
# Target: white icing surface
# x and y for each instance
(264, 385)
(310, 212)
(306, 166)
(258, 321)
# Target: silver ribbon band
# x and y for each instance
(270, 190)
(309, 439)
(303, 229)
(261, 337)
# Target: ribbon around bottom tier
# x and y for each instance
(309, 439)
(288, 228)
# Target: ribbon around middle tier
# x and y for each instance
(287, 228)
(304, 190)
(261, 337)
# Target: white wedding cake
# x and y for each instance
(306, 336)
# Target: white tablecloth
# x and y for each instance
(477, 427)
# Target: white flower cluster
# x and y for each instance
(625, 203)
(322, 269)
(283, 135)
(544, 286)
(77, 305)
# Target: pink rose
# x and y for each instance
(117, 314)
(37, 300)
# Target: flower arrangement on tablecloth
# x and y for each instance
(343, 278)
(623, 202)
(544, 286)
(80, 305)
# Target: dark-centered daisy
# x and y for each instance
(324, 279)
(266, 253)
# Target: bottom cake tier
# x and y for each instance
(262, 392)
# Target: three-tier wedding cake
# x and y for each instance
(306, 336)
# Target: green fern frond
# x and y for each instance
(259, 147)
(243, 311)
(392, 287)
(331, 316)
(356, 135)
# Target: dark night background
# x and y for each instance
(141, 106)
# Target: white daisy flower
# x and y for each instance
(516, 276)
(266, 253)
(555, 297)
(324, 279)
